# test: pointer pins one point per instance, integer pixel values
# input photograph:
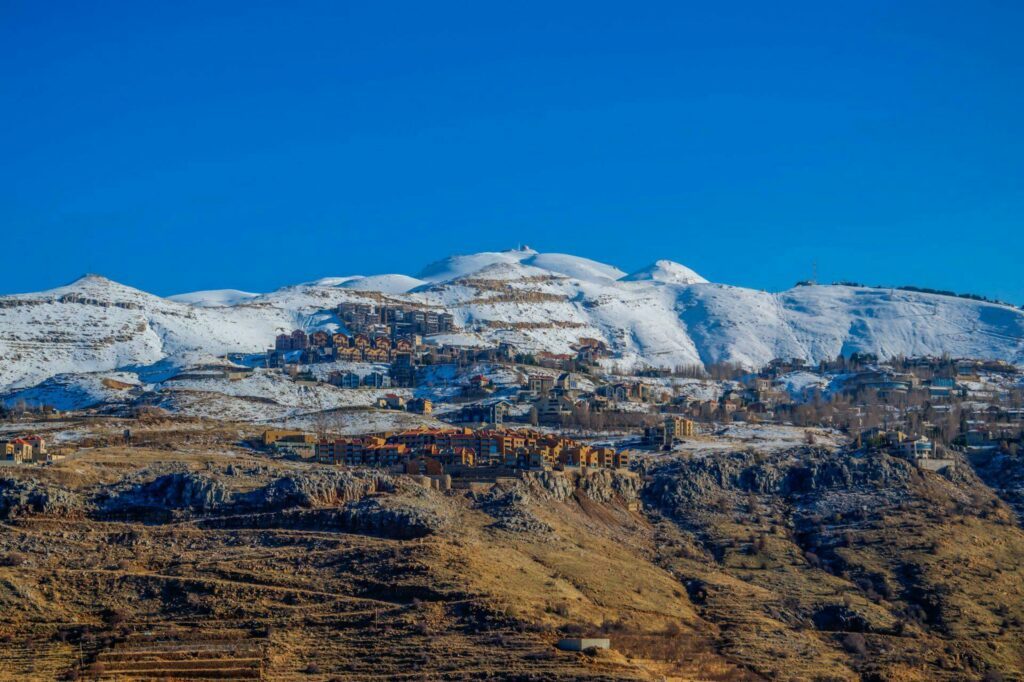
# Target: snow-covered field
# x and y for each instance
(662, 315)
(765, 437)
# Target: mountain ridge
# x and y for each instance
(663, 315)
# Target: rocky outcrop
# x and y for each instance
(691, 483)
(1004, 472)
(369, 517)
(391, 518)
(28, 498)
(317, 488)
(839, 618)
(600, 485)
(512, 509)
(512, 504)
(174, 493)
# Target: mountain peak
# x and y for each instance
(91, 278)
(97, 286)
(665, 271)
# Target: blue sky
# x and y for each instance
(250, 145)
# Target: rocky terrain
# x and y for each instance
(189, 557)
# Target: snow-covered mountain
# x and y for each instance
(666, 272)
(665, 314)
(386, 284)
(213, 298)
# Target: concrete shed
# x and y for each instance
(583, 643)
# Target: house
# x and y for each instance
(301, 444)
(618, 393)
(339, 340)
(423, 465)
(377, 380)
(420, 406)
(345, 379)
(271, 436)
(621, 393)
(480, 382)
(546, 359)
(540, 384)
(673, 428)
(38, 444)
(319, 339)
(347, 354)
(943, 388)
(299, 340)
(453, 457)
(915, 448)
(391, 401)
(17, 449)
(283, 342)
(554, 409)
(490, 412)
(24, 449)
(403, 370)
(566, 382)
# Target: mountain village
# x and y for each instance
(588, 447)
(499, 409)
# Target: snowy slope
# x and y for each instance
(663, 315)
(213, 298)
(454, 267)
(94, 324)
(387, 284)
(574, 266)
(667, 272)
(78, 391)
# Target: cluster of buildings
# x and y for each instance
(671, 430)
(354, 380)
(322, 346)
(887, 383)
(25, 450)
(393, 401)
(898, 443)
(394, 320)
(920, 450)
(436, 451)
(404, 353)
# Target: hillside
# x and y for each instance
(189, 553)
(663, 315)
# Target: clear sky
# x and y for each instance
(192, 145)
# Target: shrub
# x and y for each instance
(855, 643)
(12, 559)
(113, 617)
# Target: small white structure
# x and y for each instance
(582, 644)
